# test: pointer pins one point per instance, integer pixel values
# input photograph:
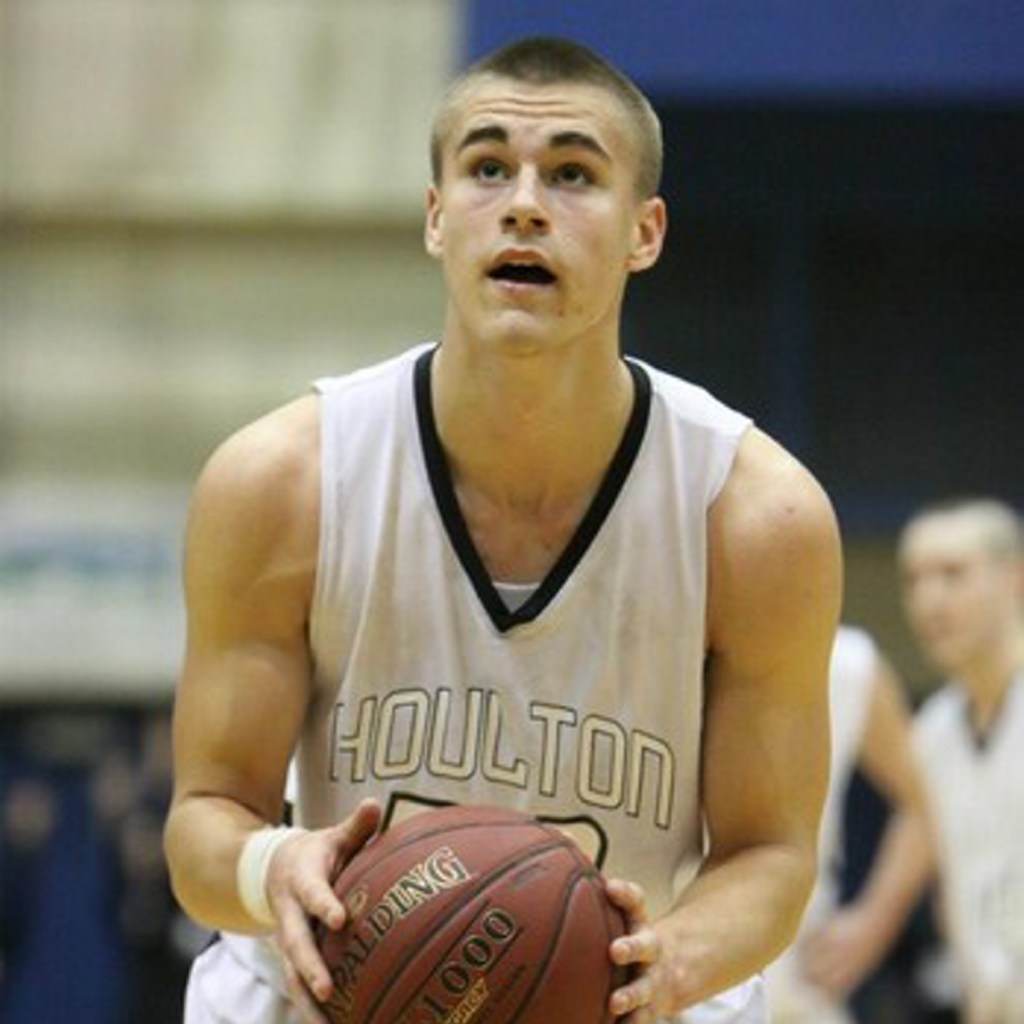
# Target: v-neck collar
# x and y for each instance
(455, 525)
(985, 739)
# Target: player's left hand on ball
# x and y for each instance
(645, 997)
(300, 890)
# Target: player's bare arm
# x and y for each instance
(848, 947)
(774, 595)
(249, 563)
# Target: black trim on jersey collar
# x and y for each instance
(985, 738)
(455, 525)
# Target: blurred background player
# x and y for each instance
(839, 945)
(962, 572)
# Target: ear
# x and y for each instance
(433, 231)
(648, 234)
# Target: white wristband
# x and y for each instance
(253, 866)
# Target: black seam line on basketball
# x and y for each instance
(546, 957)
(443, 489)
(445, 829)
(482, 882)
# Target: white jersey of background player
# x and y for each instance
(836, 947)
(977, 788)
(962, 566)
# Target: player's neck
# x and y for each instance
(988, 679)
(530, 432)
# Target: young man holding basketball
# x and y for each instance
(514, 568)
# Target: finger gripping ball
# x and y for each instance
(472, 915)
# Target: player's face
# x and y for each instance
(536, 219)
(959, 597)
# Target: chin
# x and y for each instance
(950, 661)
(520, 338)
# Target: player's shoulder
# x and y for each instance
(854, 653)
(772, 503)
(690, 403)
(855, 640)
(270, 452)
(265, 474)
(775, 557)
(940, 715)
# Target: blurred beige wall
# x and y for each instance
(204, 206)
(232, 107)
(131, 348)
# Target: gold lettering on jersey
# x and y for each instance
(513, 773)
(595, 760)
(553, 721)
(401, 721)
(600, 771)
(461, 764)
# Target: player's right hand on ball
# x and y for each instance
(300, 893)
(645, 997)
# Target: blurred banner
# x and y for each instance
(90, 604)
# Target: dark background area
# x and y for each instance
(853, 277)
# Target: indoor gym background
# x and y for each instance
(204, 205)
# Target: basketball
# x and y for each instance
(470, 913)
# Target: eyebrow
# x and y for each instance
(488, 133)
(581, 140)
(560, 140)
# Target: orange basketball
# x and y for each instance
(470, 913)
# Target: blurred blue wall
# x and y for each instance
(911, 48)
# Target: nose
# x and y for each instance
(926, 596)
(526, 211)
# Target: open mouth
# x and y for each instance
(522, 273)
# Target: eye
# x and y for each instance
(573, 175)
(489, 169)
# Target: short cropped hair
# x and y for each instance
(548, 60)
(999, 526)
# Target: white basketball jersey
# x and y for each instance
(792, 998)
(584, 705)
(976, 787)
(850, 689)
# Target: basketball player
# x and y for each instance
(514, 567)
(838, 946)
(962, 567)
